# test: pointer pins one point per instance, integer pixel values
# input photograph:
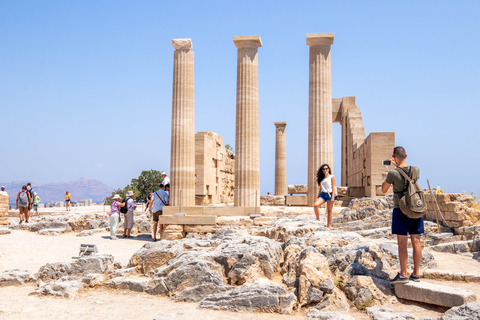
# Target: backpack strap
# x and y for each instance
(160, 198)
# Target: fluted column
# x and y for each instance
(247, 147)
(280, 159)
(182, 157)
(320, 136)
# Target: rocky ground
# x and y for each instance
(289, 268)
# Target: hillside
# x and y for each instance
(82, 189)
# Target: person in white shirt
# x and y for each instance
(326, 180)
(128, 224)
(158, 201)
(165, 182)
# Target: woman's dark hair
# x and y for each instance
(320, 174)
(24, 187)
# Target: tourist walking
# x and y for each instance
(68, 197)
(23, 204)
(159, 200)
(128, 223)
(328, 190)
(114, 216)
(401, 224)
(31, 192)
(36, 201)
(148, 207)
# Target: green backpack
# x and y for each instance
(413, 203)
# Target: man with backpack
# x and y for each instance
(402, 225)
(159, 200)
(31, 192)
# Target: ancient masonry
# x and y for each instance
(320, 136)
(247, 146)
(182, 157)
(214, 170)
(4, 199)
(280, 159)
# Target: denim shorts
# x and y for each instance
(403, 225)
(325, 196)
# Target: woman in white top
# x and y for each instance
(326, 180)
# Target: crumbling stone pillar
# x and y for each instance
(280, 159)
(247, 146)
(320, 135)
(182, 156)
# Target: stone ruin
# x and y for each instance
(4, 203)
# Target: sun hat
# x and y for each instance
(129, 193)
(116, 196)
(163, 173)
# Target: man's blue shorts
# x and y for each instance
(403, 225)
(325, 196)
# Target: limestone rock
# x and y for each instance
(137, 285)
(193, 280)
(66, 287)
(260, 296)
(365, 293)
(156, 287)
(58, 226)
(5, 231)
(384, 313)
(93, 279)
(283, 228)
(152, 257)
(89, 264)
(379, 204)
(322, 315)
(15, 277)
(470, 311)
(297, 189)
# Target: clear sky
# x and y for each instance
(86, 86)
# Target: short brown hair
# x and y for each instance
(399, 152)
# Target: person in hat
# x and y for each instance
(36, 201)
(128, 224)
(158, 201)
(114, 216)
(165, 182)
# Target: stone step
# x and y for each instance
(433, 294)
(204, 220)
(211, 211)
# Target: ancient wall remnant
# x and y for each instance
(4, 199)
(456, 208)
(362, 169)
(214, 170)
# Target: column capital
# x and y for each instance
(280, 124)
(185, 44)
(247, 41)
(316, 39)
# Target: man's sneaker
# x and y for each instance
(399, 279)
(21, 221)
(414, 278)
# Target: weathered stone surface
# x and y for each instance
(193, 280)
(384, 313)
(378, 204)
(156, 287)
(434, 294)
(59, 226)
(200, 228)
(94, 279)
(15, 277)
(66, 287)
(90, 264)
(468, 311)
(272, 200)
(364, 292)
(4, 202)
(137, 285)
(258, 296)
(5, 231)
(297, 189)
(151, 257)
(322, 315)
(283, 228)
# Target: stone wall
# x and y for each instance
(456, 208)
(214, 170)
(4, 199)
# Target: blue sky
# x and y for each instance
(86, 86)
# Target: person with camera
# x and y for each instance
(401, 224)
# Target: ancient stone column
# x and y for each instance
(247, 147)
(280, 159)
(320, 136)
(182, 156)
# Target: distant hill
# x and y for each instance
(82, 189)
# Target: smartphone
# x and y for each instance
(386, 162)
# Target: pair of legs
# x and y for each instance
(155, 224)
(403, 253)
(67, 205)
(128, 224)
(23, 211)
(113, 226)
(402, 226)
(316, 206)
